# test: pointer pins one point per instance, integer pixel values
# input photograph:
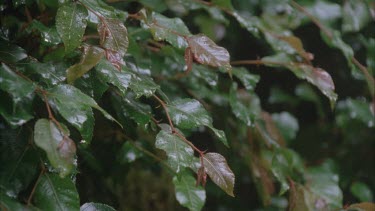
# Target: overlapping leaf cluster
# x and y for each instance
(132, 78)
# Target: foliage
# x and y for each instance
(148, 105)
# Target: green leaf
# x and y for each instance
(189, 113)
(217, 168)
(180, 154)
(59, 147)
(49, 35)
(287, 124)
(244, 106)
(47, 73)
(18, 87)
(92, 206)
(141, 84)
(187, 193)
(8, 203)
(108, 73)
(113, 35)
(361, 191)
(15, 113)
(247, 79)
(102, 9)
(316, 76)
(356, 14)
(171, 30)
(90, 57)
(206, 52)
(75, 107)
(19, 161)
(71, 22)
(10, 53)
(352, 109)
(247, 23)
(55, 193)
(325, 184)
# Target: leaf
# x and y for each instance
(171, 30)
(108, 73)
(103, 9)
(187, 193)
(92, 206)
(361, 191)
(247, 79)
(55, 193)
(16, 114)
(189, 113)
(316, 76)
(8, 203)
(364, 206)
(11, 53)
(141, 84)
(297, 45)
(75, 107)
(180, 154)
(217, 168)
(71, 22)
(113, 35)
(18, 87)
(19, 163)
(244, 106)
(207, 52)
(248, 24)
(287, 124)
(325, 184)
(226, 4)
(356, 14)
(90, 57)
(60, 149)
(353, 109)
(49, 36)
(47, 73)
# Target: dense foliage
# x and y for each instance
(159, 104)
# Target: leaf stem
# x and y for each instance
(36, 183)
(164, 105)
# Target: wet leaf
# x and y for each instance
(244, 106)
(9, 203)
(187, 193)
(71, 22)
(180, 154)
(226, 4)
(171, 30)
(356, 14)
(11, 53)
(60, 149)
(247, 79)
(217, 168)
(92, 206)
(76, 108)
(207, 52)
(49, 36)
(141, 84)
(189, 113)
(103, 9)
(18, 87)
(108, 73)
(296, 43)
(90, 57)
(247, 23)
(287, 124)
(113, 35)
(316, 76)
(55, 193)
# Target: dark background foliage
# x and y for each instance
(292, 144)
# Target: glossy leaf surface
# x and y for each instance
(207, 52)
(90, 57)
(92, 206)
(60, 149)
(71, 22)
(189, 113)
(113, 35)
(217, 168)
(180, 154)
(187, 193)
(55, 193)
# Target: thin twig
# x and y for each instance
(36, 184)
(163, 104)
